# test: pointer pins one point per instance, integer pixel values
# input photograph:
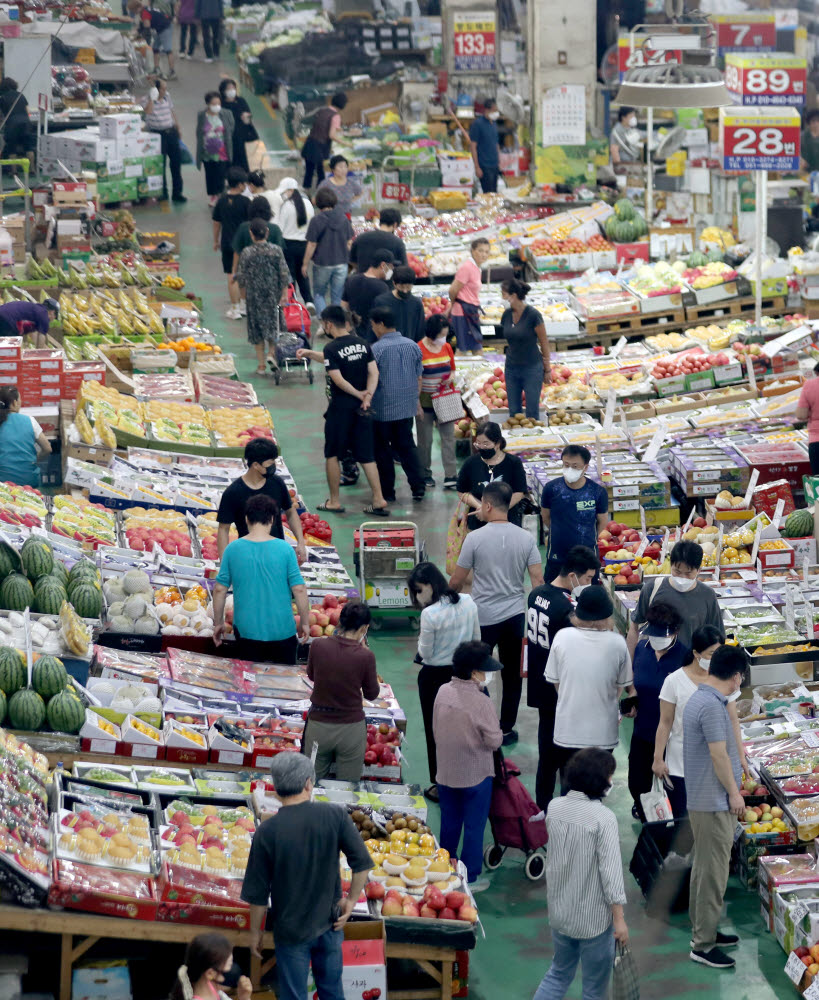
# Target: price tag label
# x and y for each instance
(778, 510)
(799, 912)
(751, 486)
(615, 351)
(812, 992)
(638, 54)
(789, 606)
(776, 80)
(745, 32)
(811, 739)
(642, 520)
(794, 968)
(655, 444)
(749, 364)
(608, 418)
(759, 138)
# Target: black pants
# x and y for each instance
(173, 154)
(489, 181)
(640, 775)
(508, 637)
(547, 765)
(310, 167)
(294, 255)
(562, 756)
(186, 30)
(278, 651)
(211, 28)
(677, 796)
(430, 682)
(215, 171)
(813, 452)
(397, 434)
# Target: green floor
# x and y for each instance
(516, 951)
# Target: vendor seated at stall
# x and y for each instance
(625, 142)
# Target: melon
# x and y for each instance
(9, 560)
(16, 593)
(26, 710)
(136, 582)
(86, 596)
(48, 676)
(13, 671)
(37, 557)
(66, 713)
(799, 524)
(49, 595)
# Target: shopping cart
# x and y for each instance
(295, 335)
(384, 555)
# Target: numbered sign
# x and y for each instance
(759, 138)
(473, 39)
(766, 80)
(745, 32)
(393, 191)
(638, 55)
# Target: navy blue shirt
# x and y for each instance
(13, 313)
(484, 134)
(649, 674)
(573, 514)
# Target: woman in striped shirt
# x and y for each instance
(439, 367)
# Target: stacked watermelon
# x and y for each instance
(35, 579)
(84, 590)
(50, 696)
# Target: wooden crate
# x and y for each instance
(734, 309)
(637, 323)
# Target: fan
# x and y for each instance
(511, 106)
(670, 143)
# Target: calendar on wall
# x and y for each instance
(564, 116)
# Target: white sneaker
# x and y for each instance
(233, 313)
(242, 307)
(479, 885)
(208, 59)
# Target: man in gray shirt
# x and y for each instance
(500, 553)
(712, 780)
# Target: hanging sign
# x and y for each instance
(745, 32)
(766, 80)
(759, 138)
(637, 54)
(473, 40)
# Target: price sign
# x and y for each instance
(393, 191)
(745, 32)
(794, 968)
(799, 912)
(766, 80)
(638, 55)
(473, 40)
(759, 138)
(812, 992)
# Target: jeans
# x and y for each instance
(596, 955)
(171, 150)
(211, 28)
(508, 637)
(465, 809)
(489, 181)
(528, 379)
(294, 256)
(328, 282)
(396, 434)
(430, 682)
(446, 433)
(293, 965)
(183, 35)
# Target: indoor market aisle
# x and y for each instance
(517, 949)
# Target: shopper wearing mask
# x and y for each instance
(209, 13)
(466, 732)
(447, 619)
(439, 367)
(712, 776)
(229, 212)
(674, 695)
(625, 144)
(243, 129)
(208, 965)
(589, 666)
(695, 603)
(573, 508)
(328, 239)
(527, 366)
(160, 117)
(549, 608)
(465, 296)
(293, 217)
(214, 143)
(407, 308)
(347, 189)
(485, 144)
(659, 653)
(361, 291)
(366, 244)
(490, 465)
(259, 208)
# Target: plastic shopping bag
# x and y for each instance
(655, 803)
(625, 983)
(458, 530)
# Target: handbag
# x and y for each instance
(447, 404)
(456, 533)
(625, 982)
(257, 155)
(656, 804)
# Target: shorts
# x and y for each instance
(465, 333)
(163, 42)
(227, 259)
(345, 429)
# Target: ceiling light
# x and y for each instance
(669, 85)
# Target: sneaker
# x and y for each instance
(429, 481)
(510, 738)
(311, 308)
(483, 883)
(450, 484)
(180, 199)
(208, 59)
(233, 313)
(242, 307)
(172, 75)
(714, 959)
(418, 497)
(723, 940)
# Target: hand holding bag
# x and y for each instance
(458, 530)
(625, 982)
(656, 804)
(447, 404)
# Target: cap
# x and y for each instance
(288, 184)
(594, 605)
(53, 305)
(657, 630)
(490, 665)
(383, 257)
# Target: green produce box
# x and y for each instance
(108, 191)
(152, 166)
(133, 168)
(697, 381)
(149, 187)
(106, 170)
(810, 484)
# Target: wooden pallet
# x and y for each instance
(734, 309)
(634, 324)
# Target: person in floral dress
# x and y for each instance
(214, 144)
(264, 275)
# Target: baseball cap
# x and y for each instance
(658, 630)
(383, 257)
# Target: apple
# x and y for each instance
(316, 630)
(468, 913)
(428, 912)
(801, 951)
(447, 913)
(374, 890)
(776, 812)
(391, 907)
(410, 909)
(455, 900)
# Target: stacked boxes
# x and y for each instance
(631, 484)
(76, 372)
(41, 375)
(9, 360)
(706, 471)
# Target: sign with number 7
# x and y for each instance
(759, 138)
(745, 32)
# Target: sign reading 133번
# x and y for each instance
(759, 138)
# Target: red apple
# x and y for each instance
(447, 914)
(468, 913)
(455, 900)
(374, 890)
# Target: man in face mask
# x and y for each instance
(361, 291)
(485, 144)
(694, 602)
(549, 607)
(573, 508)
(260, 458)
(406, 307)
(625, 144)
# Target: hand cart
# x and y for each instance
(384, 556)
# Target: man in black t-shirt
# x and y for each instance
(365, 245)
(260, 458)
(361, 290)
(352, 376)
(548, 610)
(229, 212)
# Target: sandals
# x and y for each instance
(330, 510)
(376, 511)
(261, 371)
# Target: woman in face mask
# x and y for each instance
(214, 144)
(658, 654)
(208, 965)
(439, 367)
(489, 465)
(626, 144)
(466, 732)
(676, 690)
(243, 128)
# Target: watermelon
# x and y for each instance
(696, 259)
(86, 597)
(799, 524)
(49, 595)
(66, 713)
(624, 209)
(639, 223)
(48, 676)
(37, 557)
(13, 673)
(84, 569)
(26, 710)
(9, 560)
(715, 256)
(59, 572)
(16, 593)
(3, 706)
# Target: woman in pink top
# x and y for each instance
(464, 294)
(808, 409)
(466, 732)
(208, 965)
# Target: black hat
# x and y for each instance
(594, 605)
(382, 257)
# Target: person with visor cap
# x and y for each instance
(467, 733)
(20, 318)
